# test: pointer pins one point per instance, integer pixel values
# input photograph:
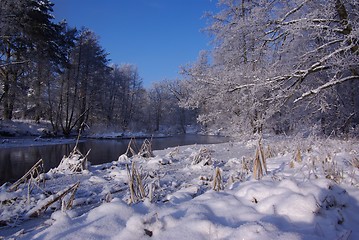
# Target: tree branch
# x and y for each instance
(324, 86)
(13, 63)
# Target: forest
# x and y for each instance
(280, 66)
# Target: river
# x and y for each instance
(16, 161)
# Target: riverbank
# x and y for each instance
(34, 134)
(310, 191)
(24, 128)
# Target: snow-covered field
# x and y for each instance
(310, 191)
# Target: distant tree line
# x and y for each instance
(50, 71)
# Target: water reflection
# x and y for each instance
(14, 162)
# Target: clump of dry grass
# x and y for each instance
(75, 162)
(246, 165)
(146, 149)
(298, 156)
(269, 153)
(355, 162)
(203, 156)
(259, 165)
(217, 180)
(331, 170)
(133, 150)
(136, 183)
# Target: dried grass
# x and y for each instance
(146, 149)
(75, 162)
(298, 156)
(269, 153)
(32, 177)
(132, 148)
(246, 165)
(355, 162)
(217, 180)
(136, 184)
(36, 211)
(203, 156)
(259, 165)
(331, 170)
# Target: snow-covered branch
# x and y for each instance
(321, 47)
(324, 86)
(236, 88)
(294, 10)
(308, 20)
(13, 63)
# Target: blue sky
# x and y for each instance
(156, 35)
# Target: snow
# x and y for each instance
(124, 135)
(316, 197)
(24, 128)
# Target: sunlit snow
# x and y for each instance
(314, 196)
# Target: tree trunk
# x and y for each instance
(7, 114)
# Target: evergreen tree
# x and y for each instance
(28, 37)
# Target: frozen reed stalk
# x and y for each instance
(260, 165)
(245, 165)
(355, 162)
(298, 156)
(269, 152)
(136, 185)
(217, 180)
(203, 156)
(66, 205)
(146, 149)
(74, 163)
(131, 147)
(40, 208)
(32, 175)
(332, 171)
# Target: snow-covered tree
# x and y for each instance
(82, 82)
(26, 32)
(270, 56)
(122, 101)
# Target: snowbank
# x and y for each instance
(315, 196)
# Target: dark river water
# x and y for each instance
(16, 161)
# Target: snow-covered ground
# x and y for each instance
(310, 191)
(124, 135)
(27, 133)
(24, 128)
